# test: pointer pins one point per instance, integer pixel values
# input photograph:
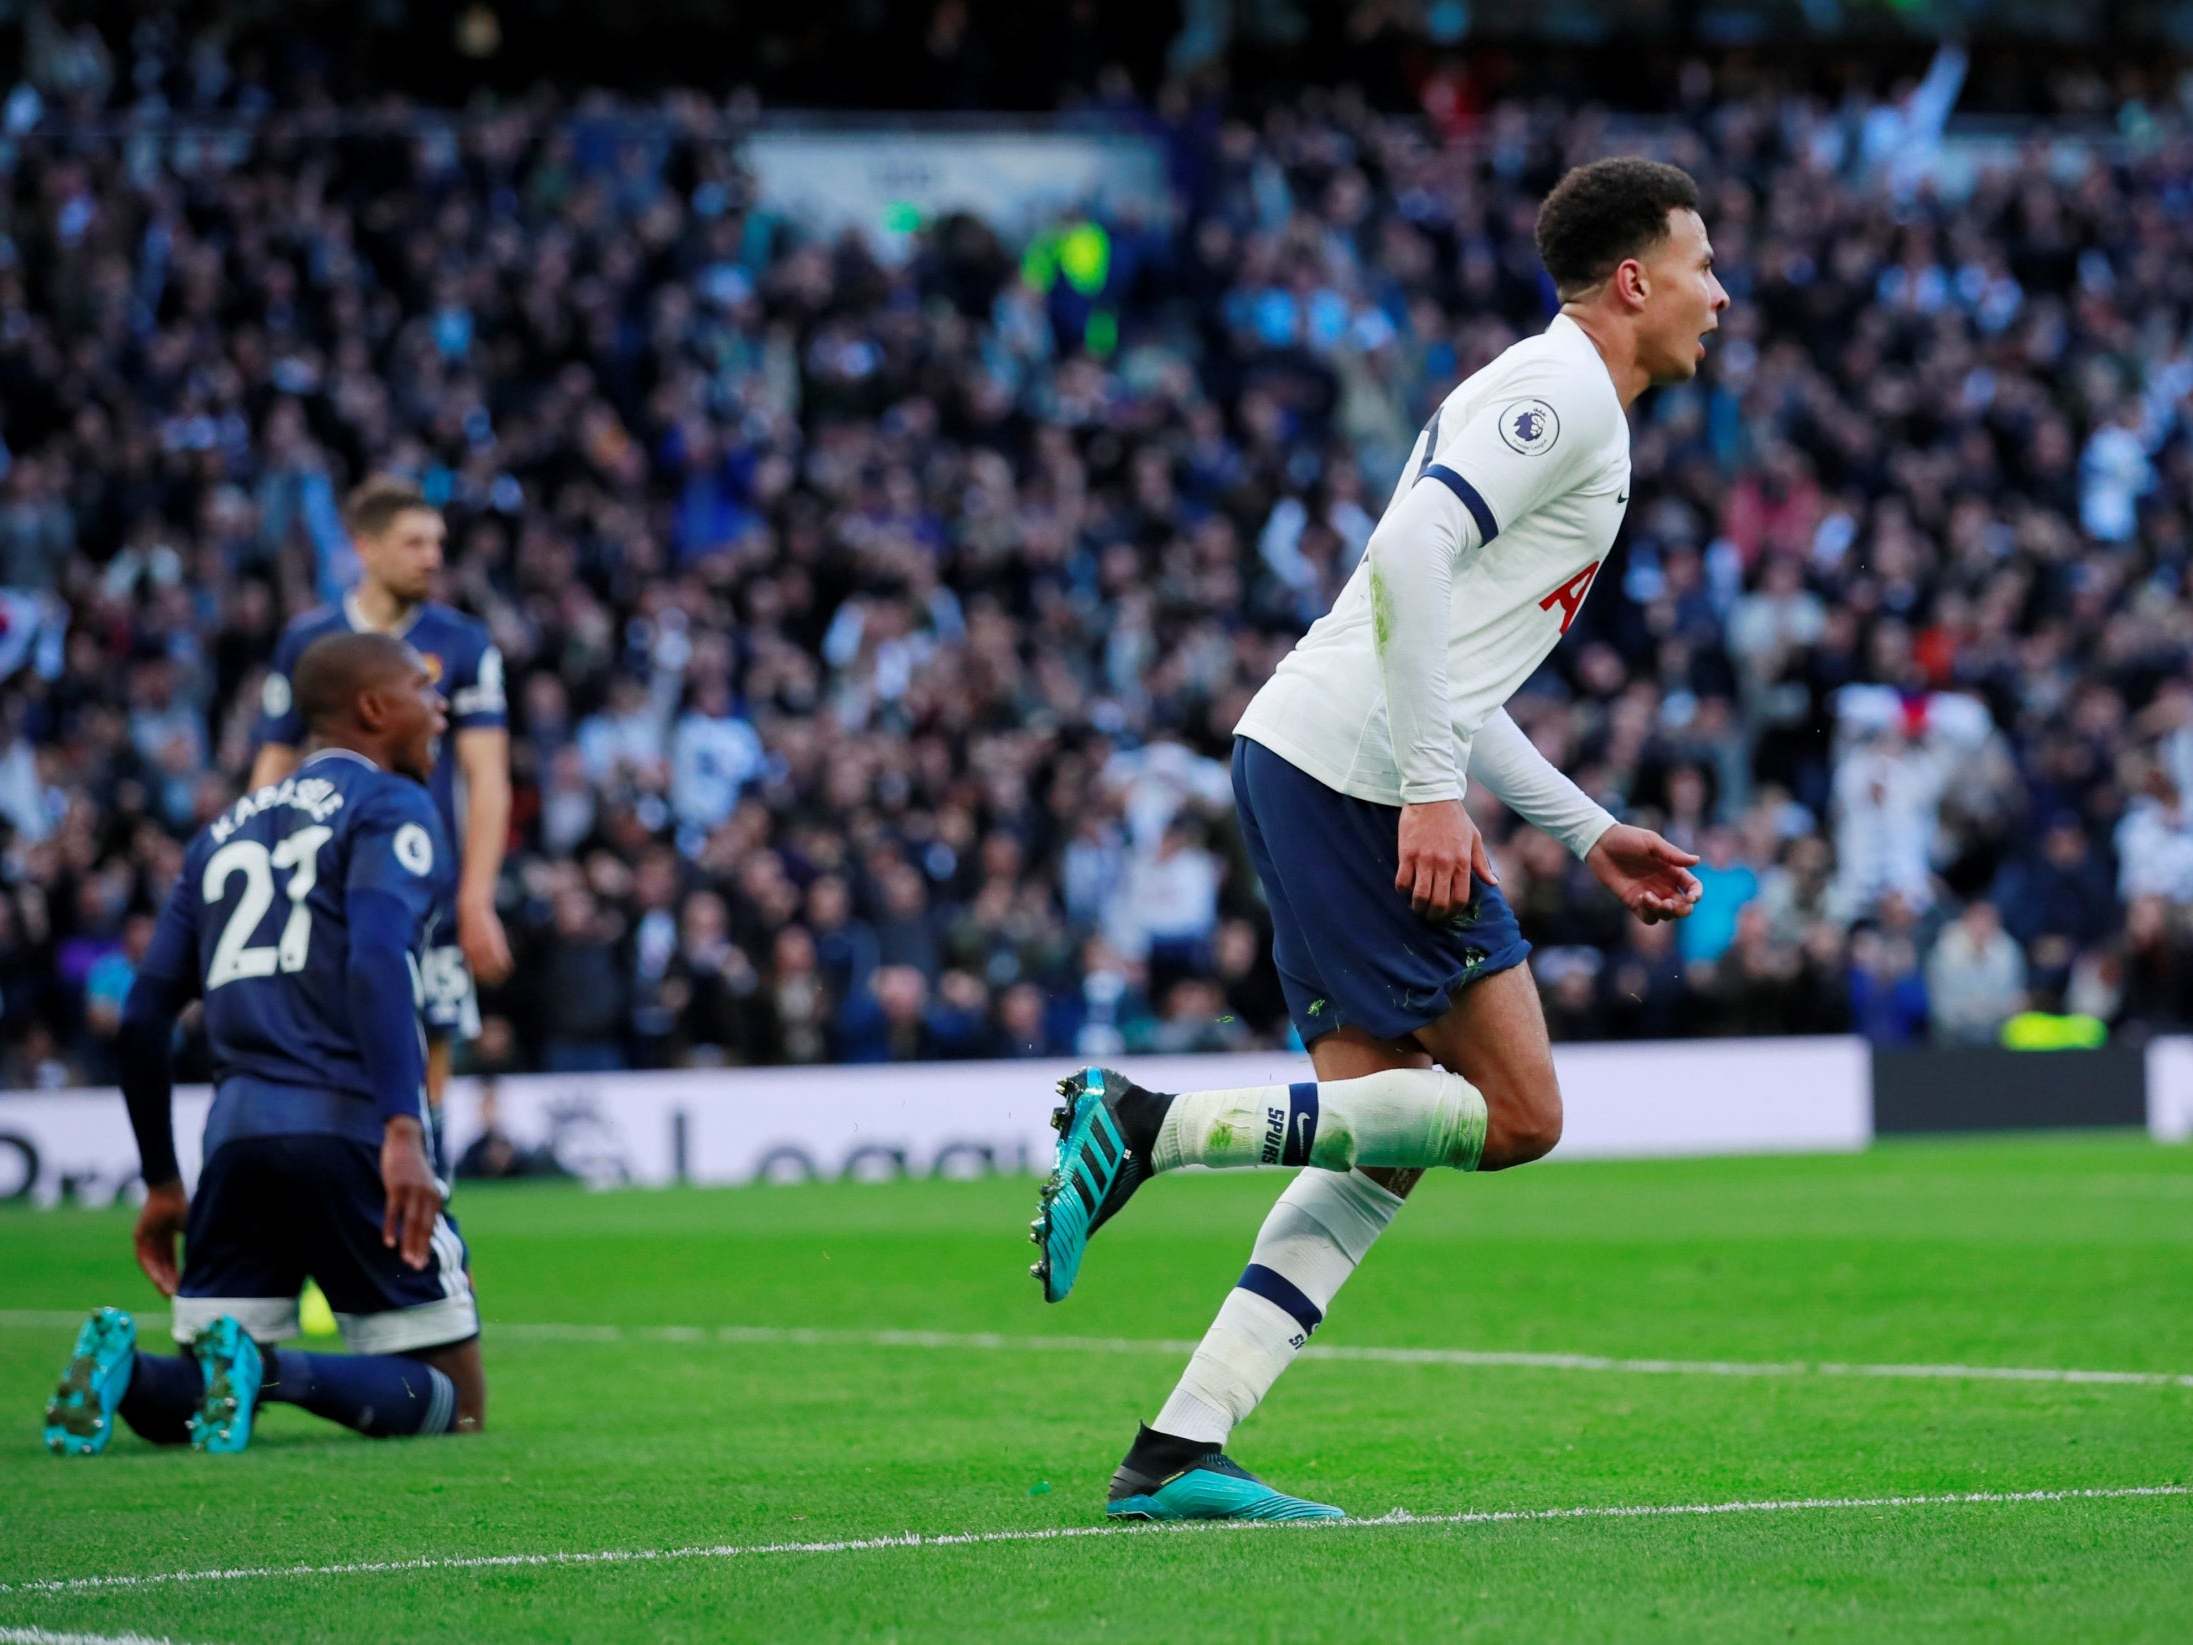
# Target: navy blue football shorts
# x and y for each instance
(1351, 951)
(272, 1211)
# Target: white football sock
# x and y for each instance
(1307, 1248)
(1397, 1117)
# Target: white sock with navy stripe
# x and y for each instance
(1307, 1248)
(1396, 1117)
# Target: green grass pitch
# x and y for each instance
(626, 1417)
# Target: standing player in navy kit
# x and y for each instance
(299, 916)
(399, 538)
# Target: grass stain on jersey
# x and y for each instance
(1381, 611)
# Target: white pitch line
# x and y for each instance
(800, 1336)
(46, 1636)
(1482, 1358)
(1398, 1519)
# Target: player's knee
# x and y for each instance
(471, 1404)
(1523, 1120)
(461, 1365)
(1540, 1132)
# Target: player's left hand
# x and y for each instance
(159, 1226)
(1652, 878)
(486, 948)
(414, 1197)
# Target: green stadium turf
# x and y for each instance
(626, 1418)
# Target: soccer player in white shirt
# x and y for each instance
(1400, 957)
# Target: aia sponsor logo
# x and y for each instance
(1570, 595)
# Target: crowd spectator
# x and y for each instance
(1975, 977)
(875, 626)
(1728, 886)
(2155, 845)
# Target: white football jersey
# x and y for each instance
(1531, 457)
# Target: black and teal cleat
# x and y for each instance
(1214, 1486)
(230, 1363)
(1105, 1130)
(80, 1416)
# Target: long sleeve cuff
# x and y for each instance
(1508, 763)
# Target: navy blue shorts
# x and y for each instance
(271, 1212)
(1351, 951)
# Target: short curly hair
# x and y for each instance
(1605, 211)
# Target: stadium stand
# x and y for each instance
(874, 631)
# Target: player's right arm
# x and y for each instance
(1470, 479)
(167, 980)
(396, 863)
(281, 727)
(479, 721)
(1413, 556)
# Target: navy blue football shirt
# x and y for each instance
(460, 658)
(264, 917)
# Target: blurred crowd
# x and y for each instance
(875, 627)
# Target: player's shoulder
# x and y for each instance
(302, 629)
(446, 627)
(1548, 390)
(203, 844)
(318, 620)
(387, 804)
(384, 797)
(460, 655)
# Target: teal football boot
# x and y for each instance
(1214, 1486)
(1105, 1128)
(80, 1416)
(229, 1361)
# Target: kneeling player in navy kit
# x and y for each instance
(299, 916)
